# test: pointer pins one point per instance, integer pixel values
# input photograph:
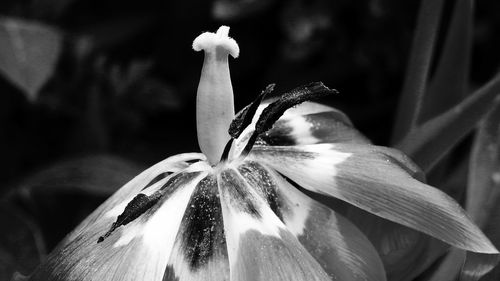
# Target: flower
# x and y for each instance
(241, 210)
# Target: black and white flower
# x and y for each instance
(241, 210)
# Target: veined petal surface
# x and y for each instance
(260, 248)
(160, 171)
(364, 176)
(200, 250)
(137, 250)
(340, 248)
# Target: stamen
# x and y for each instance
(245, 116)
(135, 208)
(275, 110)
(227, 148)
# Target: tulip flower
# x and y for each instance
(241, 210)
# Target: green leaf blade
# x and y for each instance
(449, 83)
(428, 143)
(418, 67)
(483, 189)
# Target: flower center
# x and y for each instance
(216, 123)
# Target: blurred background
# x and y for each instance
(92, 92)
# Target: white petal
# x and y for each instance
(369, 177)
(339, 247)
(138, 250)
(122, 196)
(259, 246)
(200, 251)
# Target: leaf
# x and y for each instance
(448, 85)
(428, 143)
(21, 247)
(28, 54)
(98, 175)
(483, 190)
(60, 196)
(483, 193)
(449, 267)
(418, 67)
(405, 252)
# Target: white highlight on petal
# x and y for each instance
(180, 158)
(297, 221)
(209, 41)
(202, 166)
(236, 223)
(304, 108)
(242, 222)
(307, 108)
(322, 155)
(214, 267)
(374, 179)
(126, 236)
(164, 225)
(315, 167)
(302, 130)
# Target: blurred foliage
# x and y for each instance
(22, 246)
(28, 54)
(88, 84)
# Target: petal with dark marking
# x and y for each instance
(158, 172)
(366, 177)
(340, 248)
(307, 123)
(138, 250)
(260, 248)
(199, 251)
(323, 127)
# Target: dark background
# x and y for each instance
(123, 90)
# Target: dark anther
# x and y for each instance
(138, 206)
(275, 110)
(245, 116)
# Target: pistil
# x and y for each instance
(214, 100)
